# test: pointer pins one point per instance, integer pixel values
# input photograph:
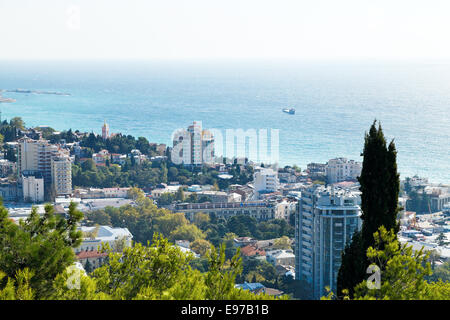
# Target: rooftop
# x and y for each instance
(106, 233)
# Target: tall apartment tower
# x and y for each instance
(196, 142)
(105, 131)
(37, 156)
(193, 146)
(324, 224)
(62, 175)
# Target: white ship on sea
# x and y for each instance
(289, 110)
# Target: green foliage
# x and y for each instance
(404, 272)
(9, 131)
(255, 270)
(17, 122)
(41, 244)
(160, 270)
(441, 273)
(158, 266)
(380, 187)
(220, 277)
(17, 288)
(188, 232)
(168, 223)
(201, 246)
(47, 132)
(282, 243)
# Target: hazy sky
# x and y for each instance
(179, 29)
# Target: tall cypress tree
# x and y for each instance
(380, 186)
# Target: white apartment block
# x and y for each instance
(266, 180)
(33, 186)
(36, 156)
(280, 257)
(284, 209)
(341, 169)
(193, 146)
(196, 142)
(103, 235)
(325, 223)
(62, 175)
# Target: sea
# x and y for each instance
(335, 101)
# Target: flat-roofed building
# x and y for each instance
(325, 222)
(260, 210)
(341, 169)
(61, 175)
(33, 186)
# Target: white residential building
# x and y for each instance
(266, 180)
(37, 156)
(284, 209)
(193, 146)
(33, 186)
(280, 257)
(62, 175)
(105, 235)
(101, 157)
(341, 169)
(324, 224)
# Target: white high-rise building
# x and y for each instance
(36, 156)
(266, 180)
(341, 169)
(193, 146)
(62, 175)
(196, 142)
(324, 224)
(33, 186)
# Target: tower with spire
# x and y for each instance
(105, 131)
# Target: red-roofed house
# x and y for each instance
(251, 251)
(94, 257)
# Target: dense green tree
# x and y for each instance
(188, 232)
(17, 122)
(404, 272)
(166, 224)
(201, 246)
(41, 244)
(17, 288)
(441, 272)
(380, 186)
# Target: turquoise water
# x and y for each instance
(335, 103)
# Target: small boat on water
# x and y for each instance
(289, 110)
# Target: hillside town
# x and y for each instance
(314, 211)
